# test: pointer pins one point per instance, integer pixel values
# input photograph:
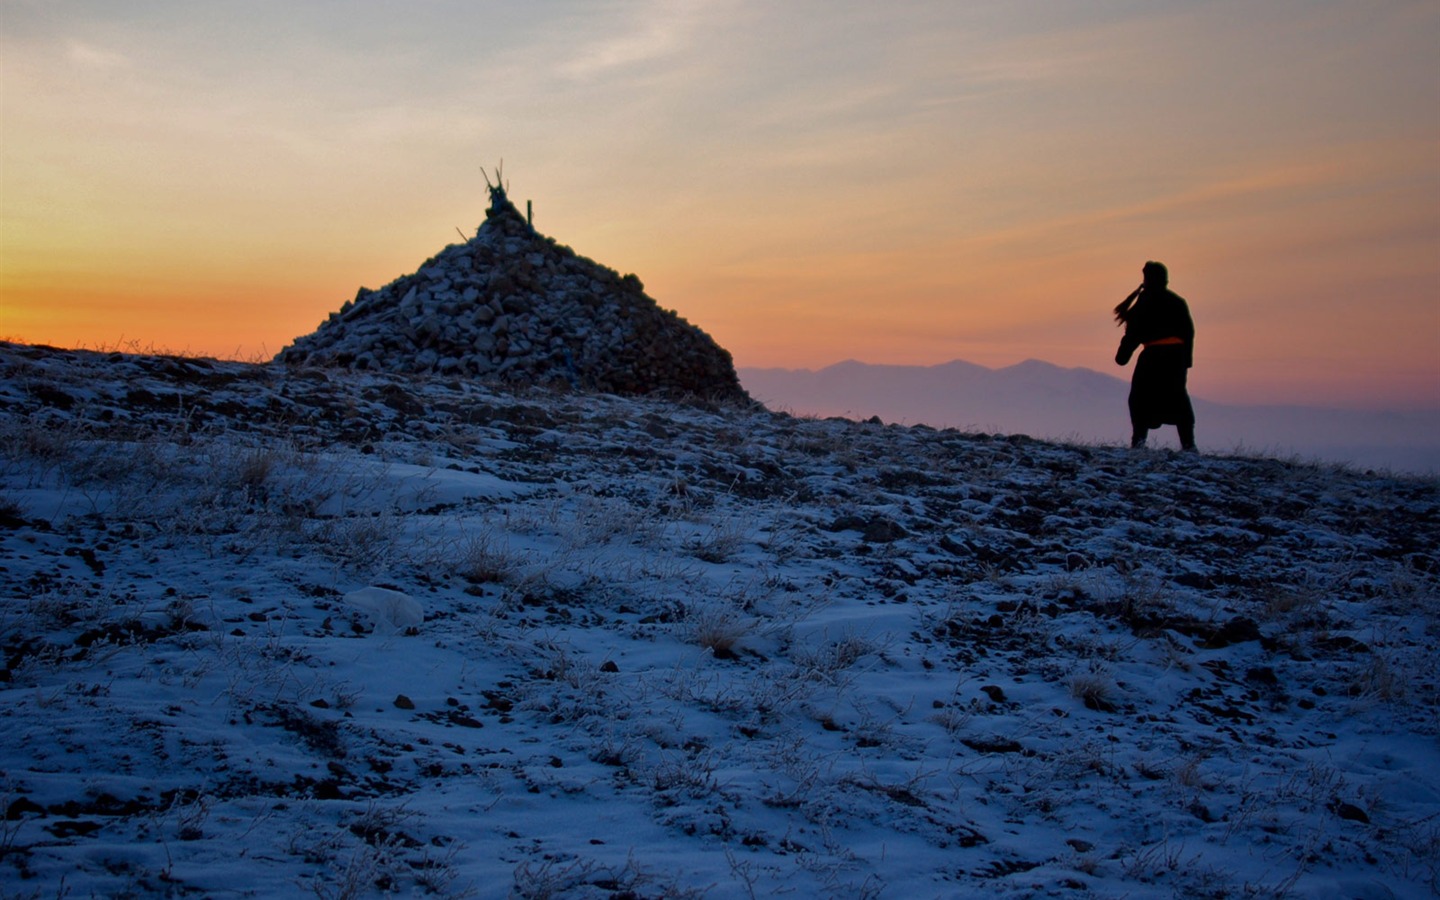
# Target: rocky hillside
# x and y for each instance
(511, 305)
(274, 631)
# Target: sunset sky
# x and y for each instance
(809, 180)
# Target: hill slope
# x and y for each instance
(1047, 401)
(671, 650)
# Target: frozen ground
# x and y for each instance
(677, 650)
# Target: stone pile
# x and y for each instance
(511, 305)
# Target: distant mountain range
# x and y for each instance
(1081, 405)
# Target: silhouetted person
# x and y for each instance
(1158, 319)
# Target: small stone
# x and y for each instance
(403, 702)
(1236, 631)
(1349, 811)
(22, 806)
(883, 531)
(1200, 811)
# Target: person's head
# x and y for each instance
(1156, 275)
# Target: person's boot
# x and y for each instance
(1137, 438)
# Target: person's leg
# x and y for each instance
(1187, 436)
(1186, 424)
(1136, 404)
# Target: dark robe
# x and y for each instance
(1158, 395)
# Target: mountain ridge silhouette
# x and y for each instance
(1045, 400)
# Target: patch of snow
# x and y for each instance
(673, 649)
(393, 608)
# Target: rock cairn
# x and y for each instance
(511, 305)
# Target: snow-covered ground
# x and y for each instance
(679, 650)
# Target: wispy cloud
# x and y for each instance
(812, 155)
(655, 30)
(91, 56)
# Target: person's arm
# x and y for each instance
(1132, 314)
